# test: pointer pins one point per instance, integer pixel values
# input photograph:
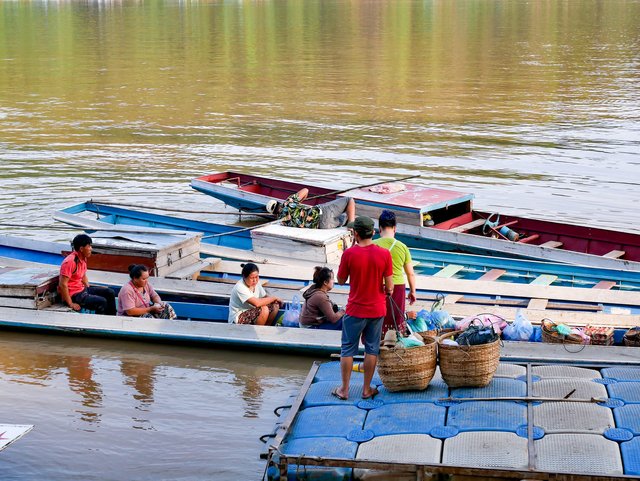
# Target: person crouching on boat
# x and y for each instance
(330, 215)
(137, 298)
(74, 287)
(318, 311)
(249, 303)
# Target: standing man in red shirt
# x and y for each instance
(370, 271)
(74, 285)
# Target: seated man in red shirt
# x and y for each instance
(370, 272)
(74, 285)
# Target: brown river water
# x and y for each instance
(532, 105)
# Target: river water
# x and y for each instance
(532, 105)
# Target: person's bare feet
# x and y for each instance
(337, 392)
(369, 393)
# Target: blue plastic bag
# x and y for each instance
(520, 330)
(291, 315)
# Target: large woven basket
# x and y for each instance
(632, 337)
(435, 332)
(549, 334)
(409, 369)
(472, 366)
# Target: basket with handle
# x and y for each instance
(551, 335)
(472, 366)
(632, 337)
(407, 369)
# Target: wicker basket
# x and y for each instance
(436, 332)
(632, 337)
(549, 334)
(408, 369)
(472, 366)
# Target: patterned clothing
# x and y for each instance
(295, 214)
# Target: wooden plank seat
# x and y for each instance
(604, 285)
(448, 271)
(552, 244)
(543, 280)
(469, 226)
(492, 275)
(614, 254)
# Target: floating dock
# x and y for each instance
(546, 421)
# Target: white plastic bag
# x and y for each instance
(291, 315)
(520, 330)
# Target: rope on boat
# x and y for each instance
(120, 204)
(336, 192)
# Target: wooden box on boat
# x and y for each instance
(164, 255)
(28, 288)
(324, 246)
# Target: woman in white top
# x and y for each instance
(249, 303)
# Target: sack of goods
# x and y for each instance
(470, 357)
(520, 329)
(600, 335)
(406, 363)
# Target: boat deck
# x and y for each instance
(470, 431)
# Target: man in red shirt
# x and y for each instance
(370, 271)
(74, 285)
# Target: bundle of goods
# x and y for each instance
(432, 322)
(406, 363)
(470, 357)
(632, 337)
(600, 335)
(562, 334)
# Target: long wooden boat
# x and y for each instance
(88, 215)
(462, 297)
(208, 300)
(457, 226)
(201, 308)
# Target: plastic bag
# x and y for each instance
(487, 320)
(291, 315)
(409, 341)
(431, 320)
(520, 330)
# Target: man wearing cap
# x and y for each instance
(329, 215)
(369, 270)
(401, 259)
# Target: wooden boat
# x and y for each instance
(463, 297)
(201, 307)
(444, 264)
(207, 301)
(457, 226)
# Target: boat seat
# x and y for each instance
(471, 225)
(448, 271)
(552, 244)
(539, 304)
(492, 275)
(543, 280)
(604, 285)
(614, 254)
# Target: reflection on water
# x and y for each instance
(81, 382)
(90, 398)
(532, 105)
